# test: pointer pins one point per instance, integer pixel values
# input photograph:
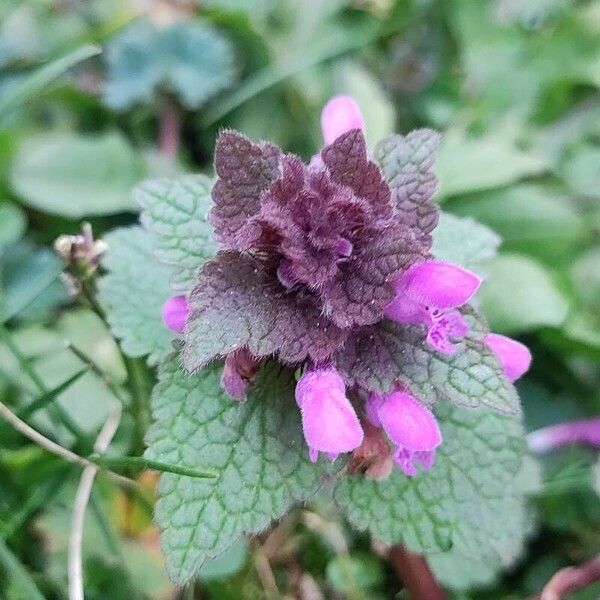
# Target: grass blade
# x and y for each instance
(19, 574)
(32, 84)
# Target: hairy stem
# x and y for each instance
(412, 569)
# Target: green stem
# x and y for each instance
(139, 463)
(137, 376)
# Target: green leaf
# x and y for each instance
(464, 241)
(29, 87)
(188, 58)
(467, 164)
(379, 356)
(582, 173)
(13, 223)
(256, 447)
(74, 175)
(471, 500)
(133, 292)
(529, 218)
(176, 211)
(520, 295)
(30, 281)
(21, 580)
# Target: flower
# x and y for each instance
(329, 422)
(340, 115)
(239, 369)
(410, 426)
(514, 357)
(428, 293)
(582, 431)
(175, 313)
(306, 252)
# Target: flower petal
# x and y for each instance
(340, 115)
(582, 431)
(328, 420)
(514, 357)
(439, 284)
(408, 423)
(175, 313)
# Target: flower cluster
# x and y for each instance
(309, 254)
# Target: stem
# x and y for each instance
(169, 131)
(571, 579)
(412, 569)
(55, 448)
(136, 376)
(82, 497)
(141, 463)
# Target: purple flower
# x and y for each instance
(175, 313)
(409, 425)
(582, 431)
(340, 115)
(514, 357)
(428, 293)
(329, 422)
(239, 369)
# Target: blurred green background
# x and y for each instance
(514, 87)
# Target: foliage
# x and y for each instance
(512, 87)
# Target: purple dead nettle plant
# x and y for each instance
(314, 253)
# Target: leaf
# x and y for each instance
(133, 292)
(30, 283)
(175, 211)
(13, 223)
(188, 58)
(256, 447)
(520, 295)
(471, 499)
(529, 218)
(74, 175)
(31, 85)
(406, 163)
(22, 581)
(464, 241)
(237, 302)
(580, 172)
(467, 164)
(377, 357)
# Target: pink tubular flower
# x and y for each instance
(514, 357)
(175, 313)
(428, 293)
(582, 431)
(410, 425)
(340, 114)
(329, 422)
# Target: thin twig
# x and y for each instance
(570, 579)
(75, 566)
(56, 449)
